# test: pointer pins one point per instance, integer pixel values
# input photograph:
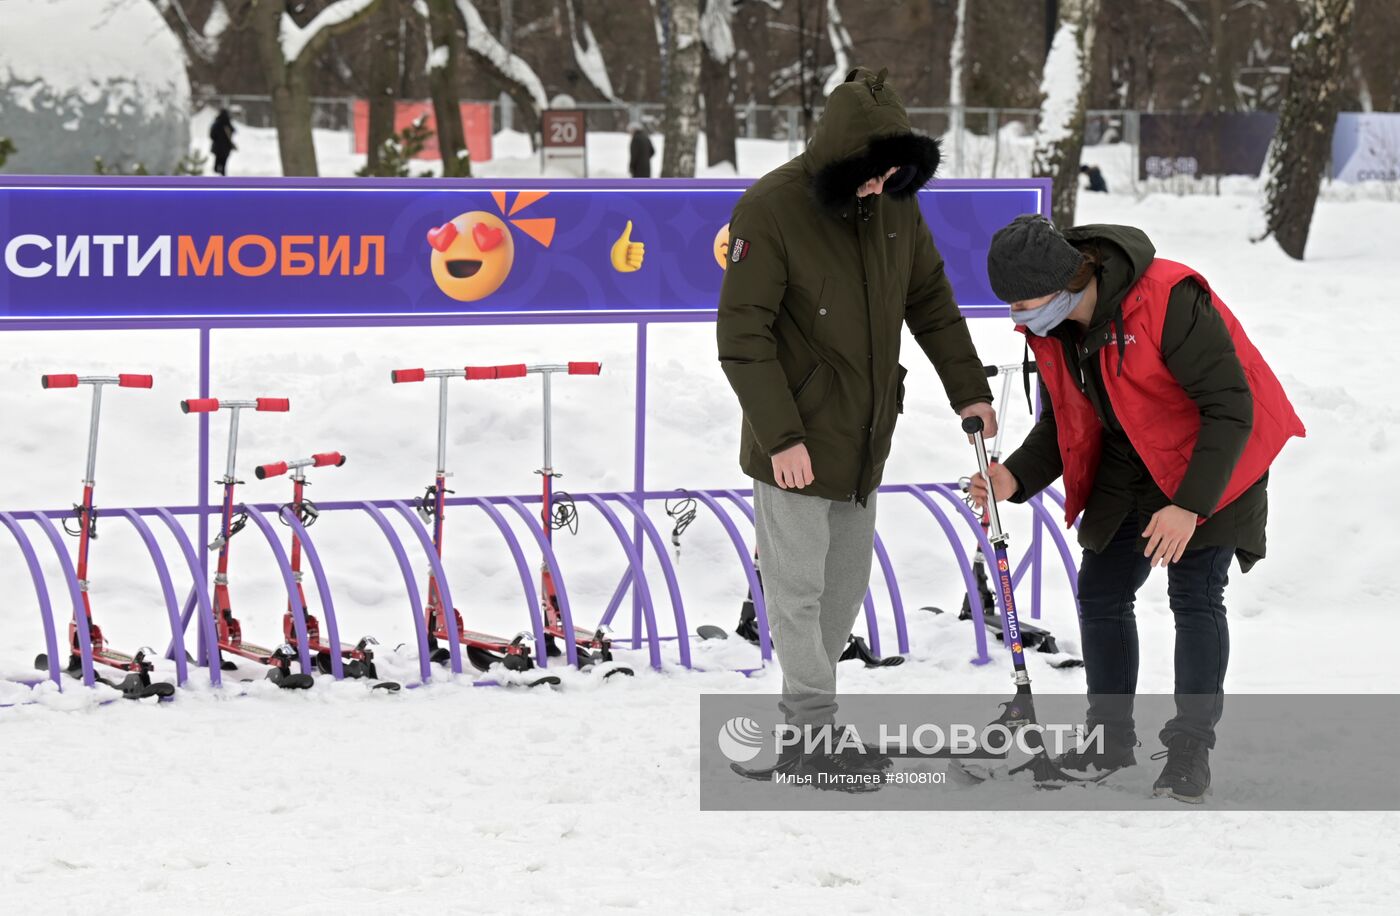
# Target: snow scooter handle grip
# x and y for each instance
(585, 368)
(514, 370)
(200, 405)
(407, 375)
(327, 459)
(59, 381)
(265, 471)
(134, 381)
(275, 405)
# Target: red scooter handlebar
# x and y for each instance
(59, 381)
(585, 368)
(134, 381)
(407, 375)
(265, 471)
(327, 459)
(514, 370)
(275, 405)
(200, 405)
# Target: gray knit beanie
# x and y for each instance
(1029, 259)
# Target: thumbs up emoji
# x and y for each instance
(627, 254)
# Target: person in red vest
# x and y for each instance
(1162, 418)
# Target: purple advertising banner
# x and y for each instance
(206, 250)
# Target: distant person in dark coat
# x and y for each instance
(1096, 182)
(639, 163)
(221, 140)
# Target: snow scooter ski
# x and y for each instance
(857, 649)
(229, 630)
(557, 512)
(1032, 637)
(1019, 711)
(483, 649)
(359, 658)
(137, 684)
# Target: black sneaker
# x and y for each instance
(873, 756)
(844, 771)
(1186, 776)
(1090, 759)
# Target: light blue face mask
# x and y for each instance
(1044, 319)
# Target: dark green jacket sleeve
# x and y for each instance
(939, 327)
(1036, 464)
(1199, 353)
(749, 300)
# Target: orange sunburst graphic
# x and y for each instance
(540, 229)
(1015, 647)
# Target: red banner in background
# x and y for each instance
(476, 124)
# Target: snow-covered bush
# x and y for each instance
(82, 79)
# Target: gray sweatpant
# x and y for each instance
(815, 555)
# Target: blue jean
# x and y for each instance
(1108, 586)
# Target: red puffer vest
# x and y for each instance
(1160, 420)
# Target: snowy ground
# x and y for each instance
(469, 799)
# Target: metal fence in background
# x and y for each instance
(978, 142)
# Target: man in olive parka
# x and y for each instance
(829, 257)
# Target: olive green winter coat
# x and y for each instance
(818, 286)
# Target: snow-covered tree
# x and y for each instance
(1298, 156)
(717, 81)
(287, 51)
(1065, 86)
(512, 74)
(681, 123)
(588, 53)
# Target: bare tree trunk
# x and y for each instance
(384, 63)
(1060, 132)
(682, 122)
(1302, 144)
(754, 72)
(811, 26)
(717, 82)
(443, 69)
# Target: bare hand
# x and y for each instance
(1168, 533)
(1004, 485)
(792, 467)
(989, 419)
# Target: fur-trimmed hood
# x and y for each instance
(864, 132)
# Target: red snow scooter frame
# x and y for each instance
(230, 631)
(557, 512)
(483, 649)
(359, 658)
(137, 684)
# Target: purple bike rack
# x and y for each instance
(425, 668)
(41, 591)
(644, 534)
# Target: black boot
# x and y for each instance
(1186, 776)
(1096, 761)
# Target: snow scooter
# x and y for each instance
(359, 658)
(857, 649)
(483, 649)
(1032, 637)
(230, 631)
(557, 512)
(1019, 711)
(137, 684)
